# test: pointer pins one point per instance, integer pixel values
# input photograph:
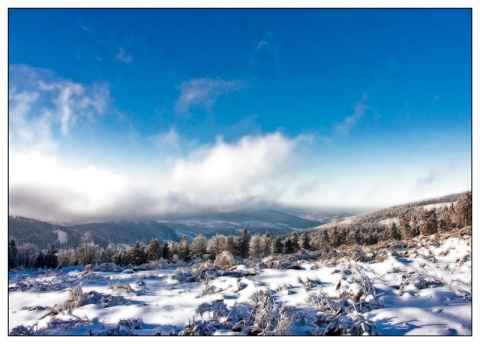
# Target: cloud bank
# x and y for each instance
(222, 176)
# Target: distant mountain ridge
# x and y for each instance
(392, 213)
(172, 228)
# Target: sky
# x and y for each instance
(121, 113)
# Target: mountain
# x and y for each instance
(42, 234)
(388, 215)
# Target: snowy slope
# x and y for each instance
(423, 288)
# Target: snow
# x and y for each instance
(62, 236)
(422, 290)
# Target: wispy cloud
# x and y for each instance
(343, 128)
(40, 103)
(265, 58)
(123, 56)
(167, 140)
(203, 92)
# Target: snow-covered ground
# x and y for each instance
(420, 289)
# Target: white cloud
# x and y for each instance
(41, 103)
(123, 56)
(225, 175)
(203, 92)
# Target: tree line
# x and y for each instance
(411, 221)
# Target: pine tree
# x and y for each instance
(184, 249)
(294, 239)
(288, 247)
(429, 223)
(352, 237)
(165, 251)
(463, 209)
(304, 241)
(154, 250)
(40, 262)
(277, 246)
(199, 246)
(324, 240)
(245, 243)
(343, 236)
(393, 233)
(121, 258)
(404, 226)
(137, 254)
(12, 254)
(110, 252)
(51, 259)
(229, 244)
(335, 237)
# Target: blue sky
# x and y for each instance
(118, 113)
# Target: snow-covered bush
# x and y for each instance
(125, 327)
(353, 324)
(119, 288)
(224, 259)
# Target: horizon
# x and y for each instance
(122, 112)
(352, 211)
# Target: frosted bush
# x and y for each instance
(224, 259)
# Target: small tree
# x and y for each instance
(40, 262)
(87, 251)
(27, 255)
(109, 253)
(404, 226)
(265, 243)
(172, 250)
(121, 258)
(288, 246)
(215, 245)
(51, 258)
(184, 249)
(165, 251)
(324, 240)
(429, 223)
(463, 210)
(295, 241)
(244, 243)
(154, 250)
(393, 233)
(255, 247)
(137, 254)
(335, 240)
(277, 246)
(199, 246)
(304, 241)
(66, 257)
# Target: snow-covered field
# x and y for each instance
(423, 288)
